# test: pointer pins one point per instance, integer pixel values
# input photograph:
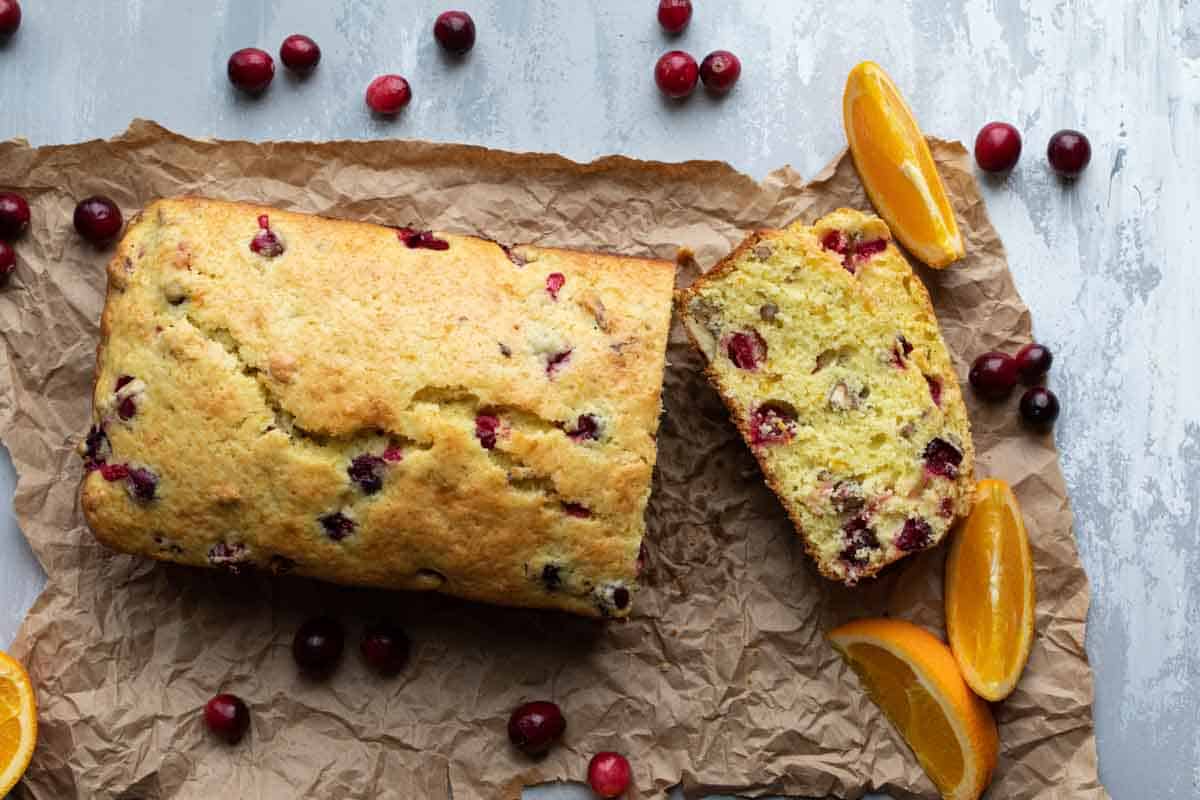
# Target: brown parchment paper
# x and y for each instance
(722, 679)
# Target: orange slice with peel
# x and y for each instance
(990, 594)
(912, 676)
(896, 167)
(18, 722)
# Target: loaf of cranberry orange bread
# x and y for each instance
(825, 348)
(377, 406)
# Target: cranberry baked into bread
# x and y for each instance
(825, 348)
(377, 406)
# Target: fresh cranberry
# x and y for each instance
(557, 361)
(385, 647)
(251, 69)
(609, 774)
(993, 375)
(864, 251)
(114, 472)
(916, 535)
(487, 430)
(98, 219)
(858, 536)
(837, 241)
(676, 74)
(14, 213)
(576, 510)
(746, 349)
(10, 17)
(365, 470)
(1033, 361)
(997, 147)
(1039, 407)
(317, 646)
(299, 53)
(337, 525)
(586, 427)
(414, 239)
(267, 244)
(536, 726)
(388, 94)
(8, 262)
(226, 715)
(143, 484)
(942, 458)
(455, 31)
(935, 390)
(393, 454)
(720, 70)
(772, 423)
(1069, 153)
(674, 15)
(554, 282)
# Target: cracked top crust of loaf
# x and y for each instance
(377, 406)
(825, 347)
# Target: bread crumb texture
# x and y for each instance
(377, 406)
(826, 349)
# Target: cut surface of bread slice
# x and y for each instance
(825, 347)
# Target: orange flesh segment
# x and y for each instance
(18, 722)
(897, 168)
(990, 593)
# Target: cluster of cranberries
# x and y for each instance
(252, 69)
(998, 147)
(317, 649)
(994, 375)
(536, 726)
(676, 72)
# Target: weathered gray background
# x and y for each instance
(1103, 263)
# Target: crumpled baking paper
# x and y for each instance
(722, 680)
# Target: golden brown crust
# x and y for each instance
(887, 287)
(260, 383)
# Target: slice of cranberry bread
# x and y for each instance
(825, 347)
(377, 406)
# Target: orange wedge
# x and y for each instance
(18, 723)
(989, 593)
(896, 167)
(914, 679)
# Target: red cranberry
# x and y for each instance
(576, 510)
(143, 484)
(96, 448)
(98, 219)
(114, 472)
(837, 241)
(226, 715)
(858, 536)
(535, 727)
(487, 430)
(674, 15)
(8, 261)
(251, 69)
(1069, 153)
(393, 454)
(127, 408)
(916, 535)
(388, 94)
(366, 470)
(267, 244)
(746, 349)
(10, 17)
(414, 239)
(14, 213)
(993, 375)
(676, 74)
(720, 70)
(864, 251)
(997, 147)
(385, 647)
(1039, 407)
(772, 423)
(317, 646)
(554, 282)
(557, 361)
(935, 390)
(122, 382)
(455, 31)
(586, 427)
(337, 525)
(609, 774)
(942, 458)
(299, 53)
(1033, 361)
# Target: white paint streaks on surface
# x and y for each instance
(1105, 264)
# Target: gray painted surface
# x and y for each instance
(1103, 263)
